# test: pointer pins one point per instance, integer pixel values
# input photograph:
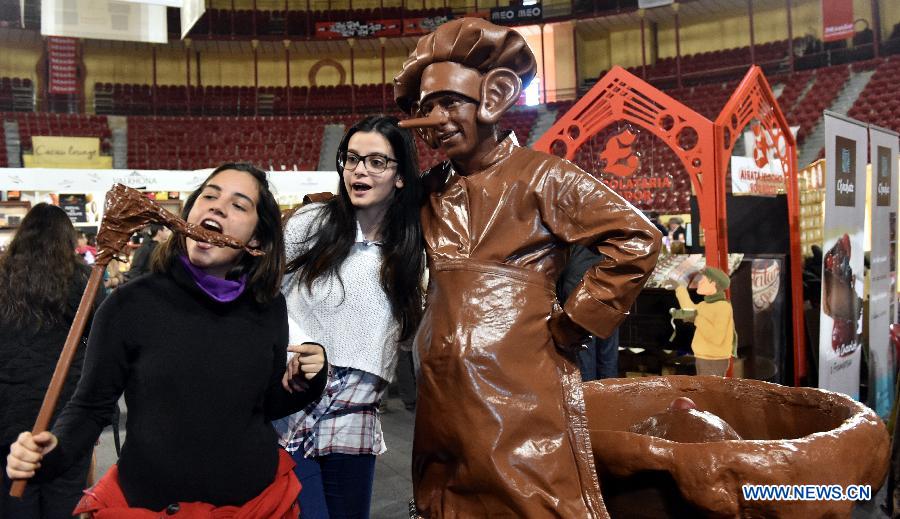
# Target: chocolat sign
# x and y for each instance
(844, 172)
(882, 274)
(841, 319)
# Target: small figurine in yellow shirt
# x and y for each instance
(714, 339)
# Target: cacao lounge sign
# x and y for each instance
(66, 152)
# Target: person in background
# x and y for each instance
(203, 387)
(676, 235)
(356, 263)
(41, 284)
(600, 356)
(140, 261)
(653, 216)
(84, 248)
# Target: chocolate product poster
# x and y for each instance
(883, 153)
(840, 323)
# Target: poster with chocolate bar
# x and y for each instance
(882, 275)
(840, 323)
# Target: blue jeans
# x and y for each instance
(335, 486)
(601, 358)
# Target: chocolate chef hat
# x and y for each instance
(458, 54)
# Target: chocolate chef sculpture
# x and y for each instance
(500, 422)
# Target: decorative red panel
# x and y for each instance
(703, 147)
(753, 100)
(622, 97)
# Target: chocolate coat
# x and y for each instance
(500, 427)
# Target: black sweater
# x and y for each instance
(27, 359)
(201, 380)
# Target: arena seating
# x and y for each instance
(63, 125)
(16, 94)
(126, 99)
(201, 142)
(718, 64)
(879, 102)
(9, 14)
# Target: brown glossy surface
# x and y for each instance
(686, 426)
(791, 436)
(127, 211)
(500, 423)
(424, 122)
(473, 42)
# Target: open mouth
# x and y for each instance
(211, 225)
(359, 187)
(446, 136)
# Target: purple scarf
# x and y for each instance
(221, 290)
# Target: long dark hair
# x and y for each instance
(401, 234)
(264, 273)
(38, 270)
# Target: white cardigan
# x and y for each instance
(352, 322)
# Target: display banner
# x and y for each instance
(62, 65)
(517, 15)
(413, 26)
(104, 20)
(882, 274)
(769, 335)
(747, 178)
(840, 325)
(284, 183)
(75, 206)
(191, 12)
(837, 20)
(355, 29)
(66, 152)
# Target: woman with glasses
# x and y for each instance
(354, 268)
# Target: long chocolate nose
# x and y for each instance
(432, 121)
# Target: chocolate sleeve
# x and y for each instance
(578, 208)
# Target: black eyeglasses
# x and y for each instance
(374, 163)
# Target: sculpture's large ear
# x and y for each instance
(500, 89)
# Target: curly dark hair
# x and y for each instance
(38, 269)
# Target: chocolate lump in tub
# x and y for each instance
(682, 422)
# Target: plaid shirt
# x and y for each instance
(345, 420)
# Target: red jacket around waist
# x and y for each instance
(279, 500)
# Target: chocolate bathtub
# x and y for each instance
(790, 436)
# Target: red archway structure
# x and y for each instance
(754, 100)
(621, 96)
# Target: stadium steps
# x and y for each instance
(809, 84)
(118, 127)
(814, 143)
(545, 120)
(266, 104)
(331, 139)
(13, 144)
